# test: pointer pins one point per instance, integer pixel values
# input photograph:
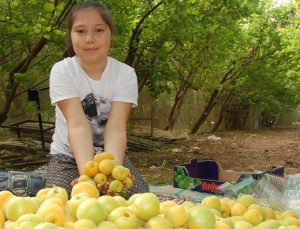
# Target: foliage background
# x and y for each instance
(195, 59)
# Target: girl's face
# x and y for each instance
(90, 36)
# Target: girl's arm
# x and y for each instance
(115, 137)
(79, 131)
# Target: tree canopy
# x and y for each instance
(234, 52)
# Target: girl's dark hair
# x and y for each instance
(102, 10)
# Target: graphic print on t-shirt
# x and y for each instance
(96, 109)
(89, 106)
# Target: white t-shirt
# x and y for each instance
(69, 80)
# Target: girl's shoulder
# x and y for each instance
(65, 64)
(118, 65)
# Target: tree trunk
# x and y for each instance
(7, 103)
(133, 48)
(212, 102)
(145, 75)
(25, 63)
(175, 111)
(21, 67)
(180, 96)
(229, 75)
(222, 111)
(135, 37)
(233, 122)
(206, 111)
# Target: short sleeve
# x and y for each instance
(61, 85)
(127, 90)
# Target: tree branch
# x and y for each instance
(134, 39)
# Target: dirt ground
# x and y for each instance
(239, 151)
(236, 150)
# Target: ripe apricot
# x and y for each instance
(85, 187)
(5, 195)
(90, 168)
(105, 155)
(238, 209)
(106, 166)
(52, 213)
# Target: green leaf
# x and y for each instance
(47, 36)
(49, 7)
(20, 77)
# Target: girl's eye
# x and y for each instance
(99, 30)
(80, 31)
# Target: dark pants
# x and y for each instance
(62, 170)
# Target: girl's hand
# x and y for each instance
(73, 182)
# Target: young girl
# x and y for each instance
(93, 95)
